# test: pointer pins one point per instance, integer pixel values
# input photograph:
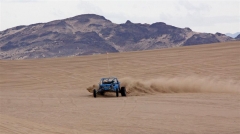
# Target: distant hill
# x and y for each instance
(238, 37)
(233, 35)
(93, 34)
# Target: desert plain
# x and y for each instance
(190, 90)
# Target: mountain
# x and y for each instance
(233, 35)
(93, 34)
(238, 37)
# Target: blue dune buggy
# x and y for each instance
(110, 84)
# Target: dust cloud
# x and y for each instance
(189, 84)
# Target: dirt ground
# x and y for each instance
(179, 90)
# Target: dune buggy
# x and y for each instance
(110, 84)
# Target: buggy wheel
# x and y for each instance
(123, 91)
(94, 93)
(116, 92)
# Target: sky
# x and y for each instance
(209, 16)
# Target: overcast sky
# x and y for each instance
(200, 15)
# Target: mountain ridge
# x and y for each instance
(89, 34)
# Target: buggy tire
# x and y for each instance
(123, 91)
(116, 92)
(94, 93)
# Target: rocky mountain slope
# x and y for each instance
(93, 34)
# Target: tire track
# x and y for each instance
(134, 107)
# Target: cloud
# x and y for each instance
(194, 6)
(87, 7)
(19, 1)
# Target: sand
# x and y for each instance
(179, 90)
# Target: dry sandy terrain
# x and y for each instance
(180, 90)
